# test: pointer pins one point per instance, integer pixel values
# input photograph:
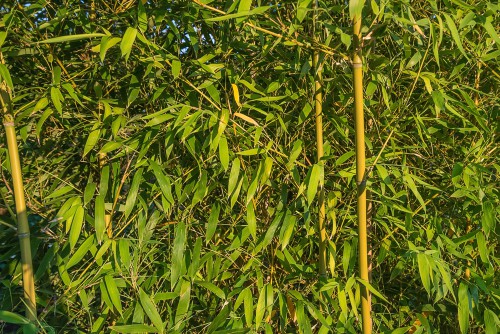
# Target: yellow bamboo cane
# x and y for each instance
(23, 231)
(357, 64)
(318, 107)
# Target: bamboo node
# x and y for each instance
(361, 183)
(23, 235)
(8, 124)
(357, 65)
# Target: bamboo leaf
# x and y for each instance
(212, 288)
(91, 141)
(233, 176)
(224, 152)
(163, 181)
(463, 308)
(178, 253)
(4, 73)
(132, 194)
(183, 306)
(256, 11)
(314, 180)
(150, 310)
(113, 292)
(76, 226)
(13, 318)
(100, 221)
(251, 220)
(425, 271)
(127, 42)
(176, 68)
(70, 38)
(213, 219)
(80, 253)
(454, 33)
(136, 328)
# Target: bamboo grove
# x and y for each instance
(206, 166)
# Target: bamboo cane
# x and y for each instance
(318, 107)
(23, 231)
(357, 64)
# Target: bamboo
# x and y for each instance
(357, 64)
(318, 107)
(23, 231)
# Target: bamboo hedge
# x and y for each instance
(196, 166)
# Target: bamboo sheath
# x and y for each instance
(23, 231)
(357, 64)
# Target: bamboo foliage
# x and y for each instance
(213, 175)
(23, 230)
(357, 68)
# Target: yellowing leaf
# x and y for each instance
(236, 94)
(246, 118)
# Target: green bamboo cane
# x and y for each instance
(318, 107)
(357, 64)
(23, 231)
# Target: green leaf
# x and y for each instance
(176, 68)
(302, 9)
(100, 221)
(150, 310)
(128, 41)
(137, 328)
(13, 318)
(372, 289)
(56, 96)
(463, 308)
(251, 220)
(212, 288)
(163, 181)
(113, 292)
(488, 220)
(4, 73)
(70, 38)
(91, 141)
(287, 230)
(76, 226)
(261, 307)
(454, 33)
(224, 152)
(178, 253)
(425, 271)
(107, 43)
(492, 32)
(183, 306)
(233, 176)
(411, 184)
(483, 249)
(201, 189)
(256, 11)
(80, 253)
(132, 194)
(248, 306)
(213, 219)
(243, 7)
(491, 322)
(314, 180)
